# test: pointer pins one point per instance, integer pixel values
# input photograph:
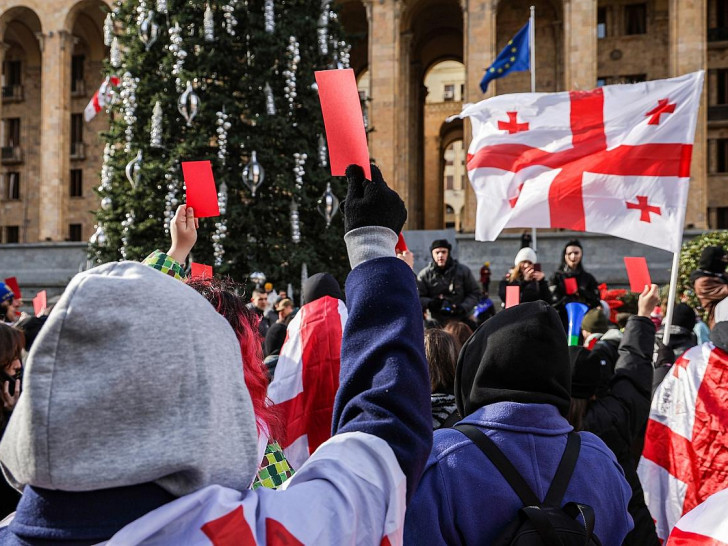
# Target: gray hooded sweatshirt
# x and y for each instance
(129, 383)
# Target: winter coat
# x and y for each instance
(710, 289)
(454, 282)
(620, 417)
(587, 288)
(607, 350)
(463, 499)
(529, 290)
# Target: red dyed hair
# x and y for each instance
(223, 295)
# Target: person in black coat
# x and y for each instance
(447, 288)
(619, 418)
(583, 288)
(531, 283)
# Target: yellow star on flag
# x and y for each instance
(513, 59)
(514, 49)
(500, 70)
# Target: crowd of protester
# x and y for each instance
(194, 411)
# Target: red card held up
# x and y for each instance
(570, 285)
(200, 270)
(201, 191)
(345, 133)
(638, 273)
(40, 302)
(12, 283)
(401, 245)
(513, 296)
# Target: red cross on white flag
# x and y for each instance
(614, 160)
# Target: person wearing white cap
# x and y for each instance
(528, 277)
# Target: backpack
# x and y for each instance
(541, 523)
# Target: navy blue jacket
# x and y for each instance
(463, 499)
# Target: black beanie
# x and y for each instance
(320, 285)
(711, 259)
(683, 315)
(440, 243)
(586, 372)
(519, 355)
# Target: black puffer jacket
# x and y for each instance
(529, 290)
(454, 282)
(620, 417)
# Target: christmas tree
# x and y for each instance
(231, 81)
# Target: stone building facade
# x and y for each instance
(580, 44)
(52, 52)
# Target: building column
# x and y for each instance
(3, 49)
(55, 128)
(479, 51)
(688, 53)
(580, 44)
(384, 70)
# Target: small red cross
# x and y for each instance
(512, 125)
(644, 208)
(662, 108)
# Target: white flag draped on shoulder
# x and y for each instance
(704, 525)
(613, 160)
(685, 459)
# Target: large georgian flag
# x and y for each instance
(685, 456)
(614, 160)
(705, 525)
(307, 377)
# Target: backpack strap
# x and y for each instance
(573, 509)
(557, 490)
(502, 464)
(453, 418)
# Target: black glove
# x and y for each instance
(665, 355)
(371, 203)
(435, 304)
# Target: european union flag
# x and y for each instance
(514, 58)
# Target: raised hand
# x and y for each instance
(183, 230)
(371, 203)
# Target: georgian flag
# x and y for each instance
(350, 492)
(307, 377)
(685, 456)
(101, 98)
(613, 160)
(704, 525)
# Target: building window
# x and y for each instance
(601, 82)
(12, 186)
(721, 163)
(77, 82)
(721, 77)
(721, 218)
(601, 23)
(12, 234)
(633, 78)
(76, 183)
(635, 19)
(449, 93)
(75, 232)
(11, 132)
(12, 73)
(449, 182)
(77, 150)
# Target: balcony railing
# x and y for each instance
(718, 34)
(78, 150)
(11, 155)
(718, 112)
(12, 93)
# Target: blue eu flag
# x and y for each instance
(514, 58)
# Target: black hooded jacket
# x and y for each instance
(454, 282)
(620, 417)
(587, 287)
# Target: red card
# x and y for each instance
(401, 244)
(570, 285)
(40, 302)
(12, 283)
(513, 296)
(200, 270)
(201, 190)
(345, 133)
(638, 273)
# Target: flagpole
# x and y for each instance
(532, 64)
(671, 297)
